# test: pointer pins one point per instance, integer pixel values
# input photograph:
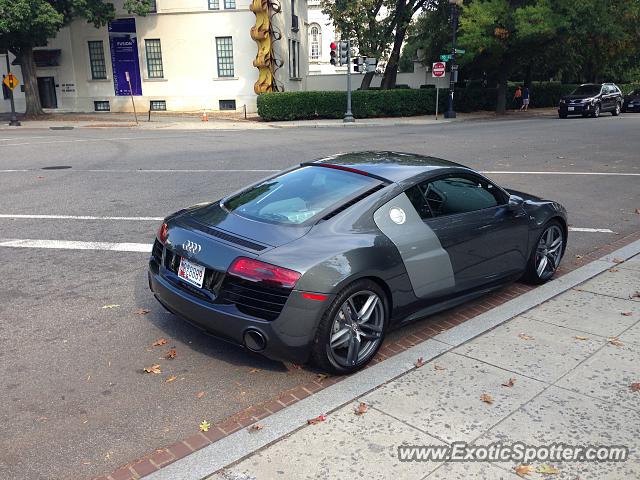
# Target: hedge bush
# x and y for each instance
(401, 102)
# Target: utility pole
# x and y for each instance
(348, 117)
(14, 119)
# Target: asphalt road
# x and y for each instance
(74, 402)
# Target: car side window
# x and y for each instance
(453, 194)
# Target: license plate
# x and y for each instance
(571, 109)
(191, 272)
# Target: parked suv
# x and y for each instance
(632, 102)
(591, 99)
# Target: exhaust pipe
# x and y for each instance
(254, 340)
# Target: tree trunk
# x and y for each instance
(501, 102)
(391, 70)
(30, 80)
(366, 80)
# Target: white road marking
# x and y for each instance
(81, 217)
(590, 230)
(73, 245)
(613, 174)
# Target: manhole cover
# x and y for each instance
(57, 167)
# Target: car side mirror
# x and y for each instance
(515, 202)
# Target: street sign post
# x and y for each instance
(128, 78)
(438, 69)
(11, 81)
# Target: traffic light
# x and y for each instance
(343, 53)
(334, 53)
(358, 63)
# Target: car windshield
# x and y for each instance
(587, 90)
(299, 195)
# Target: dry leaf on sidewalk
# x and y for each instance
(321, 376)
(204, 426)
(614, 270)
(199, 395)
(438, 367)
(361, 409)
(255, 427)
(159, 342)
(170, 379)
(615, 342)
(545, 469)
(635, 387)
(486, 398)
(618, 260)
(626, 314)
(254, 370)
(171, 354)
(522, 470)
(110, 306)
(141, 311)
(318, 419)
(295, 366)
(153, 369)
(509, 383)
(580, 337)
(578, 257)
(524, 336)
(420, 362)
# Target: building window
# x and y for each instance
(227, 104)
(224, 51)
(294, 59)
(154, 58)
(101, 106)
(96, 59)
(214, 4)
(153, 7)
(315, 41)
(229, 4)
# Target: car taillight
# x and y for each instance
(163, 233)
(257, 271)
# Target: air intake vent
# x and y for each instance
(344, 206)
(227, 237)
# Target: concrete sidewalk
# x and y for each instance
(571, 361)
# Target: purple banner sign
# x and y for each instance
(124, 56)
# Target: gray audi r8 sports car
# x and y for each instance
(318, 262)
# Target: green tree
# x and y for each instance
(431, 32)
(500, 35)
(25, 24)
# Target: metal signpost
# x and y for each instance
(135, 114)
(438, 70)
(11, 81)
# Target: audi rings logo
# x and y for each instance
(191, 247)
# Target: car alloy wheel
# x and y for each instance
(596, 111)
(357, 329)
(617, 110)
(549, 252)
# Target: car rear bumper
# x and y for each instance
(631, 108)
(288, 337)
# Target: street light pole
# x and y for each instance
(451, 113)
(14, 119)
(348, 116)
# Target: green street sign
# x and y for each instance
(460, 52)
(446, 58)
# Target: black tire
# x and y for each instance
(616, 111)
(596, 111)
(532, 274)
(562, 115)
(322, 355)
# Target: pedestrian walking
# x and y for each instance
(526, 98)
(517, 98)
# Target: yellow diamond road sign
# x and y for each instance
(11, 81)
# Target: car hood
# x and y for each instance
(217, 222)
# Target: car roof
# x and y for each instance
(393, 166)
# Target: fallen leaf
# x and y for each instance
(255, 427)
(578, 257)
(171, 354)
(614, 270)
(545, 469)
(170, 379)
(438, 367)
(486, 398)
(626, 314)
(509, 383)
(159, 342)
(361, 409)
(153, 369)
(295, 366)
(420, 362)
(254, 370)
(618, 260)
(522, 470)
(110, 306)
(199, 395)
(322, 376)
(141, 311)
(524, 336)
(204, 426)
(580, 337)
(318, 419)
(635, 387)
(615, 342)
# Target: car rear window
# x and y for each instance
(300, 195)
